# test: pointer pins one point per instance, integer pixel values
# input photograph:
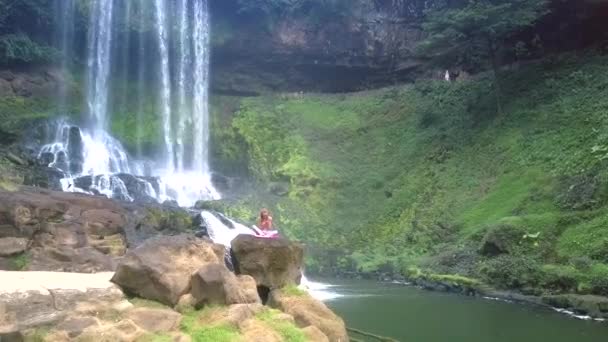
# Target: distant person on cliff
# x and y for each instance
(265, 220)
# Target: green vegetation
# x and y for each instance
(429, 175)
(19, 262)
(146, 303)
(169, 219)
(293, 290)
(478, 30)
(36, 335)
(199, 332)
(288, 331)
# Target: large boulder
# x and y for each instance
(273, 263)
(308, 311)
(161, 268)
(215, 284)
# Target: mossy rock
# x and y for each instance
(595, 306)
(500, 239)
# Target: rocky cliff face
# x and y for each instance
(370, 45)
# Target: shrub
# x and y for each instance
(512, 272)
(19, 48)
(560, 279)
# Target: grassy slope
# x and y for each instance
(424, 174)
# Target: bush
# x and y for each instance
(560, 279)
(19, 48)
(512, 272)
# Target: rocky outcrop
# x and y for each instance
(308, 311)
(273, 263)
(366, 44)
(29, 83)
(64, 231)
(75, 232)
(32, 299)
(215, 284)
(161, 268)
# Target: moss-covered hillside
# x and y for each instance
(430, 176)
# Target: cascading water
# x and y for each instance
(165, 86)
(101, 164)
(64, 37)
(201, 86)
(223, 230)
(99, 62)
(184, 108)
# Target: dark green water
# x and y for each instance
(410, 314)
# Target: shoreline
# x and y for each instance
(575, 306)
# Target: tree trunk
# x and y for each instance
(496, 71)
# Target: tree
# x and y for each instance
(478, 28)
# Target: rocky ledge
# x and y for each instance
(154, 283)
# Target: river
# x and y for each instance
(407, 313)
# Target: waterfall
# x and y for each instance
(141, 79)
(98, 64)
(160, 7)
(95, 162)
(64, 16)
(184, 109)
(201, 86)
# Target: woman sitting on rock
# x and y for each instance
(265, 220)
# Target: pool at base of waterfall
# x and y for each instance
(407, 313)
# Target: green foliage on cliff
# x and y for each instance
(19, 48)
(428, 174)
(20, 22)
(462, 35)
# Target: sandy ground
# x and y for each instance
(15, 282)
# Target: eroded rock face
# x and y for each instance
(308, 311)
(160, 269)
(273, 263)
(63, 231)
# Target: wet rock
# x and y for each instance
(273, 263)
(12, 246)
(75, 153)
(594, 306)
(308, 311)
(137, 188)
(160, 269)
